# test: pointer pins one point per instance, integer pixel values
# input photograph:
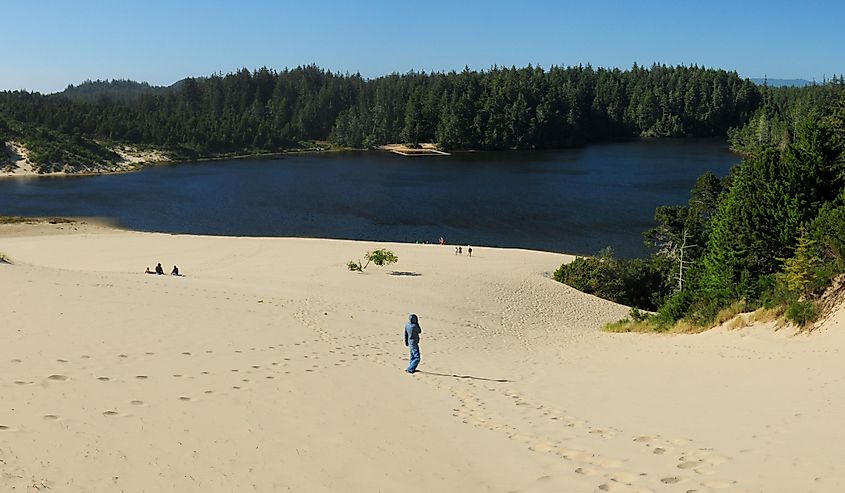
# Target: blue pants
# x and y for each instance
(415, 356)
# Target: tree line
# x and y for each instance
(771, 234)
(269, 111)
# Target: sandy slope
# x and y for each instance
(269, 367)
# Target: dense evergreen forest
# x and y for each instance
(106, 91)
(770, 235)
(269, 111)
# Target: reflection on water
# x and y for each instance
(576, 200)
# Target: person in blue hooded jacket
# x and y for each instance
(412, 341)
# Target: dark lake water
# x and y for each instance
(575, 200)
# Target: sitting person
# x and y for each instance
(148, 271)
(159, 269)
(175, 271)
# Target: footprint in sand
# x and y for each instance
(184, 398)
(136, 403)
(177, 375)
(122, 356)
(613, 488)
(717, 485)
(149, 353)
(186, 353)
(689, 464)
(586, 471)
(20, 382)
(670, 480)
(58, 377)
(103, 379)
(16, 361)
(50, 417)
(208, 392)
(61, 361)
(110, 412)
(141, 377)
(236, 387)
(623, 477)
(3, 427)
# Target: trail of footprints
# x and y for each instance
(272, 366)
(688, 468)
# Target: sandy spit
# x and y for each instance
(269, 367)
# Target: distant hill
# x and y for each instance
(782, 82)
(117, 90)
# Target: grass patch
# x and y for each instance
(729, 312)
(4, 259)
(34, 220)
(649, 327)
(628, 325)
(765, 315)
(15, 220)
(738, 322)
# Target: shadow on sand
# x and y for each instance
(454, 375)
(404, 273)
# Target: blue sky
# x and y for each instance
(46, 45)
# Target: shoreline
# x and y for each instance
(397, 149)
(133, 167)
(110, 224)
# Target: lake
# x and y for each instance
(573, 200)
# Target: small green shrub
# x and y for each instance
(380, 257)
(802, 313)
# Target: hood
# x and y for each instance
(412, 318)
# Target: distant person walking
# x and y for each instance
(412, 341)
(469, 251)
(159, 269)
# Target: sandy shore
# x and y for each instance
(270, 367)
(18, 163)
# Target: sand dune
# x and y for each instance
(269, 367)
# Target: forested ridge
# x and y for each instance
(269, 111)
(769, 236)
